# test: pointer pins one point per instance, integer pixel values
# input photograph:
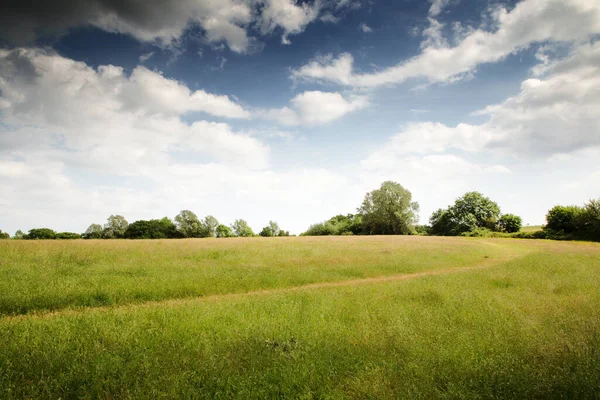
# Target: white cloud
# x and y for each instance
(365, 28)
(145, 57)
(165, 21)
(102, 119)
(556, 20)
(315, 108)
(288, 15)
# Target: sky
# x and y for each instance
(290, 110)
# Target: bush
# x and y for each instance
(510, 223)
(68, 235)
(41, 233)
(562, 220)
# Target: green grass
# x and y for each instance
(532, 228)
(52, 275)
(524, 325)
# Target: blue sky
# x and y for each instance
(291, 111)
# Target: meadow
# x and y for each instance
(326, 317)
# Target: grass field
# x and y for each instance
(333, 317)
(532, 228)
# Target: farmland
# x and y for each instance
(335, 317)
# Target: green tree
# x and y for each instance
(153, 229)
(563, 219)
(241, 228)
(210, 225)
(188, 224)
(589, 220)
(270, 230)
(223, 231)
(389, 210)
(19, 235)
(94, 231)
(510, 223)
(115, 227)
(469, 212)
(41, 233)
(4, 235)
(68, 235)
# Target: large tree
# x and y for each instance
(471, 211)
(94, 231)
(115, 227)
(241, 228)
(4, 235)
(210, 225)
(389, 210)
(188, 224)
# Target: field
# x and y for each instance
(329, 317)
(532, 228)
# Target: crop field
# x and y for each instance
(325, 317)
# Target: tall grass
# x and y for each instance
(526, 327)
(51, 275)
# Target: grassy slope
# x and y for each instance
(526, 327)
(51, 275)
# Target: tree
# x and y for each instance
(563, 219)
(210, 224)
(4, 235)
(94, 231)
(510, 223)
(270, 230)
(469, 212)
(41, 233)
(590, 219)
(153, 229)
(19, 235)
(68, 235)
(188, 224)
(115, 227)
(223, 231)
(241, 228)
(389, 210)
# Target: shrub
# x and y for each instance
(41, 233)
(510, 223)
(562, 220)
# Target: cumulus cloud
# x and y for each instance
(162, 21)
(107, 120)
(556, 20)
(315, 108)
(551, 115)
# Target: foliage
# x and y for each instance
(153, 229)
(19, 235)
(41, 233)
(209, 226)
(469, 212)
(510, 223)
(389, 210)
(223, 231)
(241, 228)
(94, 231)
(68, 235)
(115, 227)
(188, 224)
(350, 224)
(4, 235)
(563, 219)
(270, 230)
(590, 219)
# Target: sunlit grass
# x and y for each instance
(525, 327)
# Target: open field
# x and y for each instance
(532, 228)
(334, 317)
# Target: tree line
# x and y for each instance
(186, 224)
(388, 210)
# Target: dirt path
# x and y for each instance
(217, 297)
